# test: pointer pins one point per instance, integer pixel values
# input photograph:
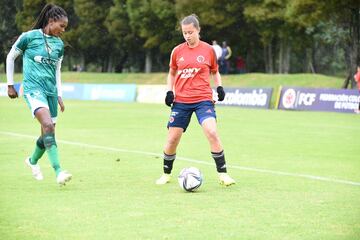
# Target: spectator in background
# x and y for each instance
(357, 80)
(218, 50)
(240, 65)
(224, 60)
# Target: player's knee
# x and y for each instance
(172, 142)
(48, 127)
(212, 135)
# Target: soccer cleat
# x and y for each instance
(225, 179)
(35, 169)
(63, 177)
(165, 178)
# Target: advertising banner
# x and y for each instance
(3, 89)
(246, 97)
(318, 99)
(110, 92)
(151, 93)
(72, 90)
(105, 92)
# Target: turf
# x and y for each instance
(232, 80)
(114, 152)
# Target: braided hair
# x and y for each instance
(49, 11)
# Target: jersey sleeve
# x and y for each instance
(173, 64)
(61, 53)
(58, 77)
(213, 61)
(22, 42)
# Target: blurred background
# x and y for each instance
(265, 36)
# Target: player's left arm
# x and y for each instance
(215, 75)
(58, 85)
(217, 79)
(218, 83)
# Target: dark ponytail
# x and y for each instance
(49, 11)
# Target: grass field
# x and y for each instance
(232, 80)
(297, 173)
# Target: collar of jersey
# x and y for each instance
(44, 33)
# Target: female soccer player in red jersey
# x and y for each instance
(192, 63)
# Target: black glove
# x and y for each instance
(169, 98)
(221, 93)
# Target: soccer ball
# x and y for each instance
(190, 179)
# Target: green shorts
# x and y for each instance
(37, 99)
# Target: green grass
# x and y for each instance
(113, 195)
(233, 80)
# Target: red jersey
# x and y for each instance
(193, 67)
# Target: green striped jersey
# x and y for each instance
(41, 56)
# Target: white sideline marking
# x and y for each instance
(312, 177)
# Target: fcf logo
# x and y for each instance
(289, 98)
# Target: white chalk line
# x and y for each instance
(259, 170)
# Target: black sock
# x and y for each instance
(220, 161)
(168, 162)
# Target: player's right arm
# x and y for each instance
(172, 71)
(169, 99)
(10, 62)
(171, 79)
(16, 50)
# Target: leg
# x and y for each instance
(178, 122)
(48, 130)
(217, 152)
(39, 150)
(173, 139)
(33, 160)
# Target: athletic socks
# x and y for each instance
(168, 162)
(52, 151)
(220, 161)
(218, 157)
(38, 152)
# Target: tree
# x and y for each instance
(334, 22)
(269, 17)
(117, 23)
(8, 30)
(91, 36)
(153, 21)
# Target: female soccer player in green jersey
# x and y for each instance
(42, 51)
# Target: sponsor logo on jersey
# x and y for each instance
(188, 72)
(200, 59)
(44, 60)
